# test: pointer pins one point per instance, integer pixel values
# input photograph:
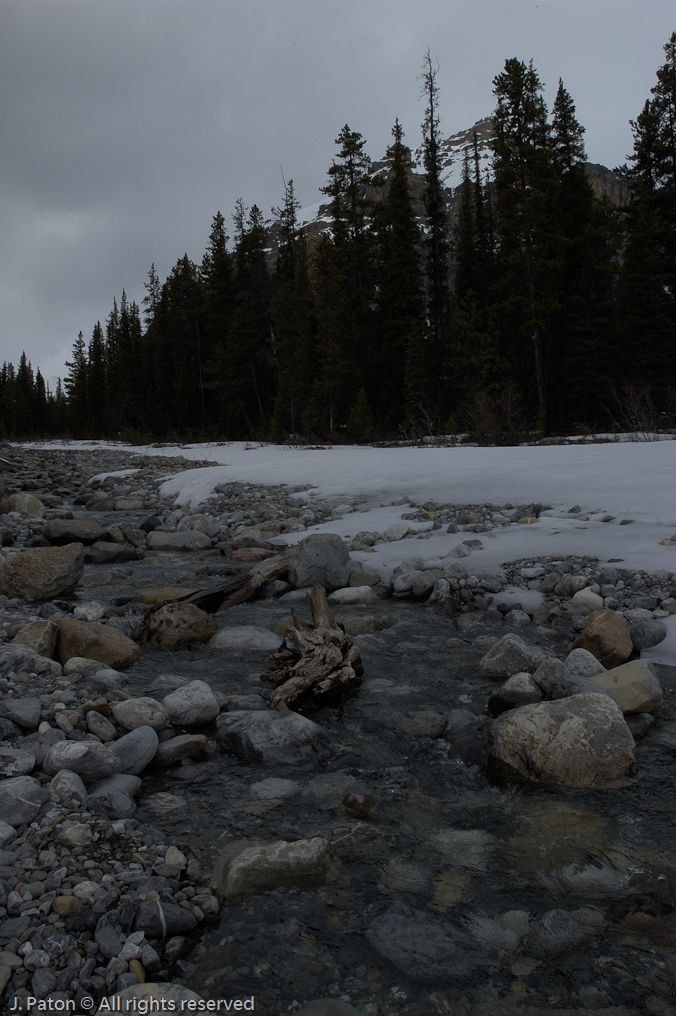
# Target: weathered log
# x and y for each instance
(320, 665)
(241, 587)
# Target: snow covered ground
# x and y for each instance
(627, 480)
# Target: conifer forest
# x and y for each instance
(529, 306)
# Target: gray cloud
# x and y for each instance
(126, 125)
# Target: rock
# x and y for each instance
(162, 920)
(166, 594)
(141, 712)
(503, 933)
(177, 625)
(65, 905)
(319, 559)
(187, 540)
(353, 594)
(580, 743)
(269, 736)
(326, 792)
(548, 673)
(40, 636)
(7, 833)
(82, 666)
(634, 686)
(423, 582)
(96, 642)
(16, 762)
(173, 751)
(245, 637)
(24, 711)
(67, 785)
(26, 504)
(425, 947)
(583, 663)
(397, 531)
(107, 552)
(18, 657)
(114, 796)
(169, 998)
(574, 684)
(136, 750)
(244, 868)
(193, 705)
(42, 573)
(89, 759)
(100, 726)
(21, 798)
(509, 656)
(585, 602)
(59, 531)
(607, 637)
(519, 690)
(646, 634)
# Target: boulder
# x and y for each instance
(193, 705)
(424, 947)
(269, 736)
(16, 762)
(141, 712)
(59, 531)
(187, 540)
(585, 602)
(245, 868)
(351, 595)
(136, 750)
(67, 785)
(96, 642)
(25, 711)
(646, 634)
(634, 686)
(173, 751)
(18, 657)
(21, 798)
(163, 920)
(583, 663)
(89, 759)
(42, 573)
(26, 504)
(511, 655)
(578, 743)
(320, 559)
(41, 636)
(109, 552)
(519, 690)
(176, 625)
(607, 637)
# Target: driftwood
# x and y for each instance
(321, 664)
(241, 587)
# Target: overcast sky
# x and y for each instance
(126, 125)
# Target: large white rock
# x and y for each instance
(192, 705)
(269, 736)
(352, 595)
(635, 686)
(245, 636)
(580, 742)
(585, 602)
(320, 559)
(141, 712)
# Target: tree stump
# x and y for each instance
(321, 664)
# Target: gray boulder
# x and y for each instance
(40, 636)
(67, 785)
(19, 657)
(89, 759)
(519, 690)
(509, 656)
(187, 540)
(136, 750)
(24, 711)
(42, 573)
(646, 634)
(578, 743)
(320, 559)
(269, 736)
(21, 798)
(16, 762)
(193, 705)
(245, 868)
(582, 662)
(59, 531)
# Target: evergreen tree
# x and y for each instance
(525, 184)
(293, 323)
(437, 246)
(76, 384)
(96, 383)
(401, 356)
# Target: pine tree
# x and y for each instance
(76, 384)
(437, 245)
(525, 184)
(293, 323)
(96, 383)
(401, 356)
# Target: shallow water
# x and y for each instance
(445, 850)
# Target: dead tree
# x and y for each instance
(321, 664)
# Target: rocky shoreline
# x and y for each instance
(97, 897)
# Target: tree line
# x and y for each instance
(541, 308)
